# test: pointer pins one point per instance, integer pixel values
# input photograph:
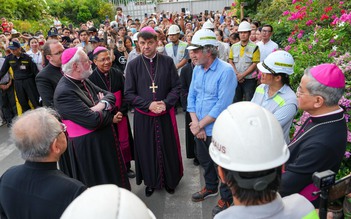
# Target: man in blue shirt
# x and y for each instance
(211, 91)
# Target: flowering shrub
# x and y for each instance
(316, 32)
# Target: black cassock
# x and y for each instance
(93, 144)
(157, 149)
(113, 81)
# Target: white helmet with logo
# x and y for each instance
(108, 202)
(208, 25)
(202, 38)
(248, 138)
(277, 62)
(244, 26)
(173, 29)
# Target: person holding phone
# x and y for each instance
(121, 55)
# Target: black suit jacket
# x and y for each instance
(36, 190)
(46, 81)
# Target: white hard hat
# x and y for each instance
(208, 25)
(202, 38)
(277, 62)
(135, 36)
(108, 202)
(173, 29)
(244, 26)
(248, 138)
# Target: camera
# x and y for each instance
(324, 180)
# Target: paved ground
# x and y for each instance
(164, 205)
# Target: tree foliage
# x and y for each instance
(23, 9)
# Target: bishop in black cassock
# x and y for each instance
(157, 149)
(95, 155)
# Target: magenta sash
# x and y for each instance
(75, 130)
(151, 113)
(123, 135)
(307, 192)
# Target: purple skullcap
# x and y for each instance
(99, 49)
(329, 75)
(68, 54)
(148, 29)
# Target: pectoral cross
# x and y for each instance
(153, 87)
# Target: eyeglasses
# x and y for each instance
(58, 53)
(63, 129)
(108, 59)
(298, 92)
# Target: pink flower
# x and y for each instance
(309, 46)
(341, 2)
(332, 40)
(285, 13)
(293, 1)
(347, 154)
(291, 40)
(300, 35)
(332, 54)
(287, 48)
(309, 22)
(234, 4)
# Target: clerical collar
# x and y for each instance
(330, 113)
(150, 59)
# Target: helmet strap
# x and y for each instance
(257, 184)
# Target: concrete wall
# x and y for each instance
(138, 8)
(194, 6)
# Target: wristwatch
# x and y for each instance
(107, 104)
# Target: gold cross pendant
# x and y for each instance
(153, 87)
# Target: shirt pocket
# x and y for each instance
(248, 57)
(236, 58)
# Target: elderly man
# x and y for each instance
(89, 113)
(37, 189)
(211, 90)
(48, 78)
(320, 143)
(152, 87)
(111, 79)
(251, 167)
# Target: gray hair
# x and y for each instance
(213, 50)
(330, 95)
(68, 67)
(34, 132)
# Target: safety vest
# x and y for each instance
(279, 99)
(180, 52)
(244, 62)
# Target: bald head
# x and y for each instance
(34, 132)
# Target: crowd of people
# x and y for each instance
(88, 78)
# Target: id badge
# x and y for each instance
(23, 67)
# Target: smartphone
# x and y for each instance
(145, 14)
(206, 12)
(119, 43)
(227, 8)
(183, 10)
